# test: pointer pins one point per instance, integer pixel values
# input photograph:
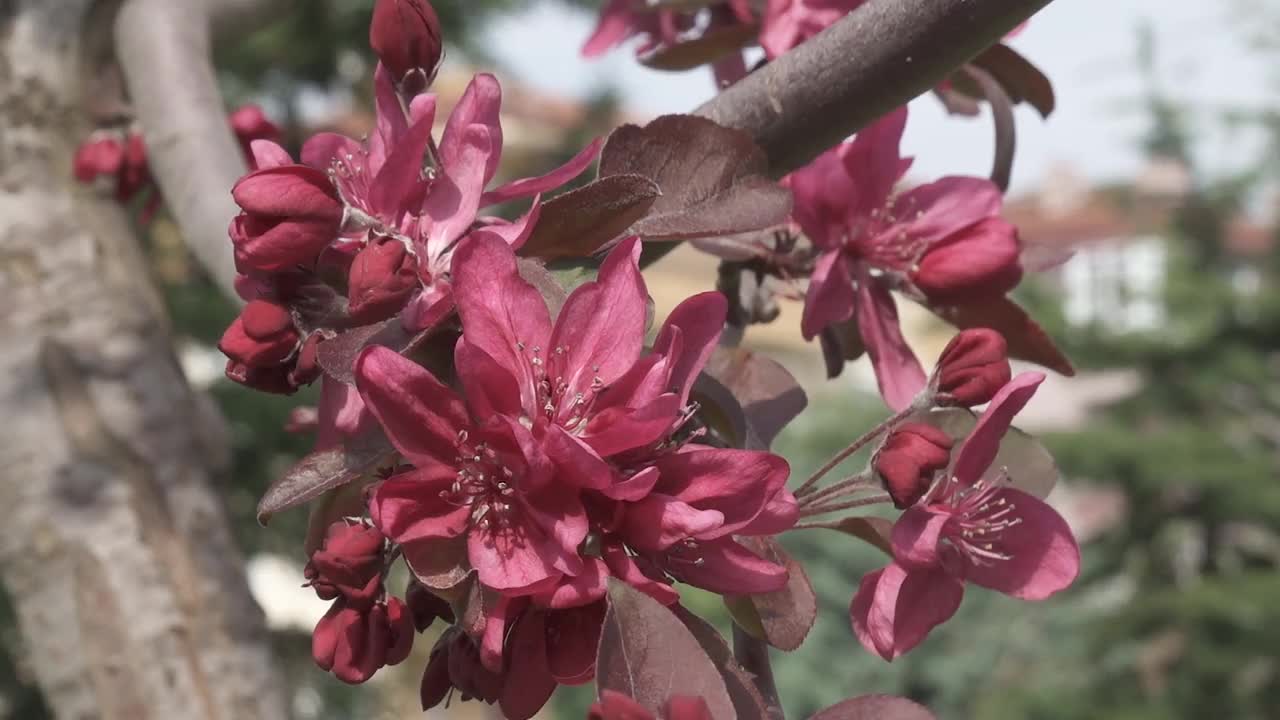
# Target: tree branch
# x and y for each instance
(163, 48)
(875, 59)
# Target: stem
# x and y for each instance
(753, 655)
(875, 432)
(847, 486)
(861, 502)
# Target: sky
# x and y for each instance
(1087, 47)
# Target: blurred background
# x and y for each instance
(1160, 169)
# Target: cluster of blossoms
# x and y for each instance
(569, 459)
(118, 156)
(537, 458)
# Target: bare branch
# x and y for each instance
(875, 59)
(163, 48)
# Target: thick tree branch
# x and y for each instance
(163, 48)
(875, 59)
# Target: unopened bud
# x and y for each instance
(405, 35)
(972, 368)
(908, 460)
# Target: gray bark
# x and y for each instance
(116, 552)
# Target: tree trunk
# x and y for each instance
(116, 551)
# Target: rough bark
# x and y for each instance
(129, 591)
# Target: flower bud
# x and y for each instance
(272, 379)
(381, 280)
(972, 368)
(908, 460)
(263, 335)
(405, 35)
(349, 564)
(354, 643)
(979, 261)
(98, 157)
(135, 174)
(291, 213)
(249, 123)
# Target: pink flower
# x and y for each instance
(969, 528)
(388, 194)
(486, 485)
(577, 384)
(621, 20)
(616, 706)
(787, 23)
(700, 498)
(942, 242)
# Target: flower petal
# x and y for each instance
(268, 154)
(407, 508)
(700, 321)
(478, 107)
(894, 610)
(617, 430)
(489, 388)
(979, 449)
(915, 537)
(736, 483)
(391, 122)
(830, 297)
(526, 187)
(946, 206)
(728, 568)
(898, 372)
(419, 414)
(601, 326)
(658, 521)
(502, 315)
(320, 150)
(1044, 557)
(454, 199)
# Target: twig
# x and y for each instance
(810, 511)
(753, 655)
(853, 447)
(163, 49)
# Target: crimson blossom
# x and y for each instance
(568, 459)
(969, 527)
(940, 243)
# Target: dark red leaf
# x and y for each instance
(1023, 81)
(537, 275)
(1030, 465)
(647, 654)
(785, 616)
(582, 221)
(713, 179)
(712, 45)
(1027, 340)
(875, 707)
(322, 471)
(742, 690)
(337, 354)
(768, 394)
(874, 530)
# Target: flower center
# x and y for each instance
(483, 483)
(982, 514)
(561, 400)
(881, 241)
(350, 175)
